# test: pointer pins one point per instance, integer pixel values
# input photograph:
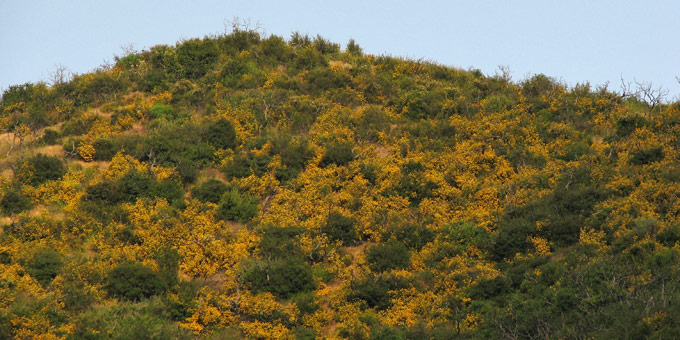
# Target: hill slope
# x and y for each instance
(256, 187)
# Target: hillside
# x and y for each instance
(245, 186)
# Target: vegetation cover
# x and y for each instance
(249, 186)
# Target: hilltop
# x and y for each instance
(256, 187)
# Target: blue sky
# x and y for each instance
(573, 41)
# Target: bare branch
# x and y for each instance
(503, 72)
(627, 90)
(649, 94)
(60, 75)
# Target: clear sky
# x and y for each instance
(573, 41)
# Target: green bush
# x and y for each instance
(168, 265)
(340, 228)
(412, 236)
(197, 57)
(221, 135)
(168, 189)
(283, 278)
(50, 137)
(77, 126)
(277, 242)
(491, 288)
(107, 191)
(390, 255)
(133, 281)
(648, 156)
(14, 202)
(210, 191)
(74, 294)
(354, 48)
(135, 185)
(306, 303)
(294, 152)
(105, 149)
(162, 111)
(45, 265)
(43, 168)
(239, 207)
(374, 290)
(339, 153)
(323, 79)
(373, 120)
(626, 125)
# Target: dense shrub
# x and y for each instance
(374, 290)
(168, 189)
(306, 303)
(283, 278)
(340, 228)
(647, 156)
(323, 78)
(133, 281)
(135, 185)
(221, 135)
(277, 242)
(50, 137)
(390, 255)
(210, 191)
(178, 147)
(411, 184)
(105, 149)
(162, 111)
(247, 164)
(412, 236)
(45, 265)
(294, 152)
(106, 191)
(339, 153)
(14, 202)
(197, 57)
(167, 260)
(373, 121)
(236, 206)
(42, 168)
(626, 125)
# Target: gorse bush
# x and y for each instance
(334, 194)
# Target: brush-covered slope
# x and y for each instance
(243, 186)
